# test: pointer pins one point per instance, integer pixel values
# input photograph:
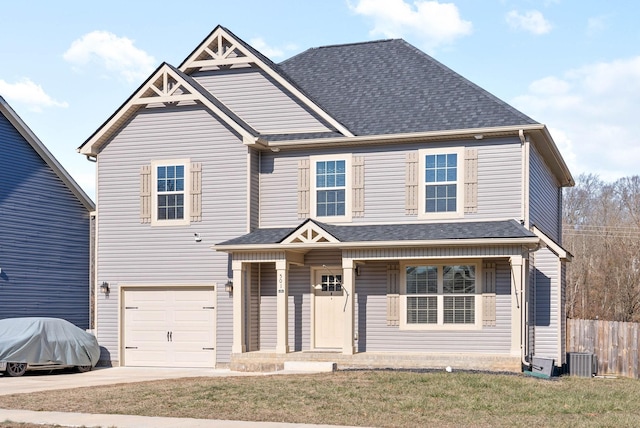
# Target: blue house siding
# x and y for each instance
(44, 249)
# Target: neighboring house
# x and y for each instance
(361, 201)
(45, 230)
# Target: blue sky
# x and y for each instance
(572, 65)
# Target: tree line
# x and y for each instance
(601, 228)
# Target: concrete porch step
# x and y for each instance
(310, 366)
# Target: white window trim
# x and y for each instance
(477, 325)
(186, 220)
(422, 183)
(348, 189)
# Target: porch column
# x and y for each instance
(348, 285)
(282, 314)
(517, 304)
(239, 341)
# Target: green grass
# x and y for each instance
(366, 398)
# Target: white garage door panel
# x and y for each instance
(169, 327)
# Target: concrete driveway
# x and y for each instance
(64, 379)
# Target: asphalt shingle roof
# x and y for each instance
(396, 232)
(389, 87)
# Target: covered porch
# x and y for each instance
(323, 293)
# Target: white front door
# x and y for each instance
(169, 327)
(329, 302)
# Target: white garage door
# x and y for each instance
(169, 327)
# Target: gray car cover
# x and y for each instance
(44, 340)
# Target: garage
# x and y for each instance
(169, 326)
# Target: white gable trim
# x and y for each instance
(550, 244)
(164, 86)
(218, 47)
(310, 233)
(45, 154)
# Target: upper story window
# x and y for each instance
(331, 188)
(170, 180)
(441, 188)
(441, 296)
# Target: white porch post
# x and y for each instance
(282, 314)
(239, 343)
(517, 304)
(348, 284)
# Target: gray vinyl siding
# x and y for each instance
(372, 332)
(299, 307)
(44, 248)
(134, 253)
(499, 182)
(260, 101)
(374, 335)
(547, 301)
(268, 306)
(254, 196)
(544, 198)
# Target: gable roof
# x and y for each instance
(459, 233)
(45, 154)
(223, 48)
(166, 84)
(391, 87)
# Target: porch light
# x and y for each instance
(228, 287)
(104, 288)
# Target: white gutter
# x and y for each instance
(413, 136)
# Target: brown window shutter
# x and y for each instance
(196, 191)
(358, 186)
(393, 295)
(489, 295)
(471, 180)
(145, 194)
(411, 184)
(303, 188)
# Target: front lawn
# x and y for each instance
(366, 398)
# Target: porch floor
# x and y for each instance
(269, 361)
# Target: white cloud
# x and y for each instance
(532, 21)
(433, 23)
(115, 54)
(269, 51)
(593, 111)
(25, 91)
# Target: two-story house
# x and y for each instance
(361, 204)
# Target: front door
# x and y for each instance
(329, 303)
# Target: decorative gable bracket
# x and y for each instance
(310, 233)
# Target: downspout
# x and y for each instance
(524, 302)
(525, 179)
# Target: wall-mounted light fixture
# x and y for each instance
(104, 288)
(357, 270)
(228, 287)
(478, 136)
(275, 149)
(196, 237)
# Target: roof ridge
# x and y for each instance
(340, 45)
(468, 82)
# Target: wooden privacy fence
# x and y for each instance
(614, 343)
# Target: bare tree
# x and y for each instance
(602, 230)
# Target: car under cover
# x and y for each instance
(46, 340)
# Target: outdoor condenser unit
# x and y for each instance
(583, 364)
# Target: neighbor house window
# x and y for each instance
(331, 188)
(171, 197)
(441, 182)
(441, 296)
